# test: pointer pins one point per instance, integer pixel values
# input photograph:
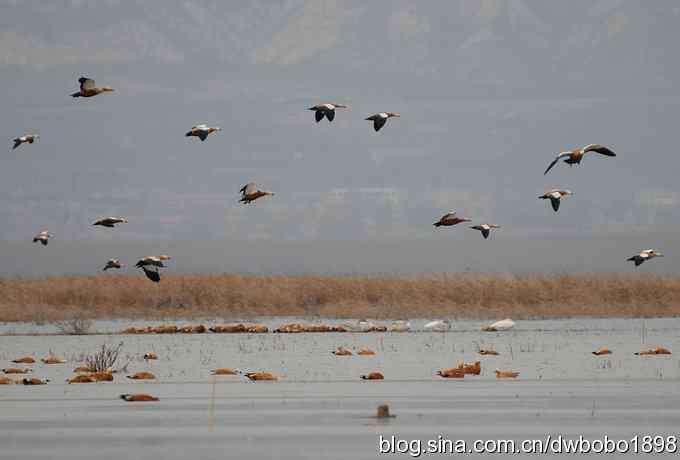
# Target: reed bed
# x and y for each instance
(471, 296)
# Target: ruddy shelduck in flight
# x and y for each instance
(485, 229)
(250, 193)
(110, 222)
(42, 237)
(450, 219)
(26, 139)
(202, 131)
(326, 110)
(574, 157)
(89, 89)
(555, 196)
(644, 256)
(379, 119)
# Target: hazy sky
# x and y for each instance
(489, 91)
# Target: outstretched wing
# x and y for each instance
(203, 135)
(330, 115)
(601, 149)
(318, 116)
(249, 188)
(17, 143)
(485, 233)
(378, 123)
(555, 202)
(557, 158)
(86, 83)
(153, 275)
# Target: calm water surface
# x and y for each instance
(320, 408)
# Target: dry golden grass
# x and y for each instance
(474, 296)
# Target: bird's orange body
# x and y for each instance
(373, 376)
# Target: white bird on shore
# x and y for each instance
(399, 325)
(502, 325)
(644, 256)
(440, 325)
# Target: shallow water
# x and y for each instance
(320, 408)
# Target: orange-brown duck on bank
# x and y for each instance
(373, 376)
(16, 370)
(655, 351)
(602, 351)
(33, 381)
(452, 373)
(484, 352)
(140, 397)
(256, 376)
(506, 374)
(142, 376)
(473, 369)
(341, 351)
(366, 352)
(24, 360)
(225, 371)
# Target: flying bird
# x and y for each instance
(150, 266)
(250, 193)
(643, 256)
(202, 131)
(88, 88)
(112, 263)
(555, 196)
(485, 229)
(26, 139)
(42, 237)
(327, 110)
(379, 119)
(575, 156)
(450, 219)
(110, 222)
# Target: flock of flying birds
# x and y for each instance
(250, 192)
